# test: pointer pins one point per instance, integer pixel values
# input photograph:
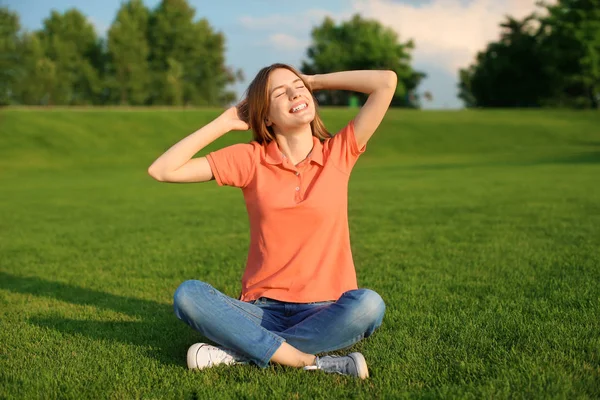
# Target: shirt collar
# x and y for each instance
(274, 156)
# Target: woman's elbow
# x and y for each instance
(155, 173)
(392, 79)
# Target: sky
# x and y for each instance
(447, 33)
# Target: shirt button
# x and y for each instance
(297, 188)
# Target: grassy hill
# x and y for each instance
(480, 229)
(98, 137)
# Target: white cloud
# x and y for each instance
(449, 32)
(284, 42)
(295, 23)
(288, 33)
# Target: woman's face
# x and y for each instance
(291, 103)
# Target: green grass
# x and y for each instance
(481, 231)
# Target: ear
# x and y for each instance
(268, 122)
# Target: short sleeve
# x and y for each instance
(343, 148)
(233, 165)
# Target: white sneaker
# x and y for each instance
(202, 355)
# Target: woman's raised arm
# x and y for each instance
(379, 85)
(177, 165)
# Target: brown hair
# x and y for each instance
(254, 109)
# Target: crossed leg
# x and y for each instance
(261, 336)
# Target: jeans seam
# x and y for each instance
(226, 298)
(278, 339)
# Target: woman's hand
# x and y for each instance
(309, 79)
(233, 118)
(379, 85)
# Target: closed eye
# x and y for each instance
(282, 93)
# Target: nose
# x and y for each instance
(294, 94)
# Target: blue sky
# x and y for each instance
(447, 33)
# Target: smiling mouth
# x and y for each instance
(299, 108)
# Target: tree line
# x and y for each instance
(165, 56)
(547, 59)
(149, 57)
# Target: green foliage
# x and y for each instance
(9, 53)
(160, 56)
(186, 57)
(511, 72)
(573, 47)
(479, 229)
(174, 83)
(71, 43)
(552, 60)
(128, 51)
(38, 83)
(361, 44)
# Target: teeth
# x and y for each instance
(300, 107)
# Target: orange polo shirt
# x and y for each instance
(299, 239)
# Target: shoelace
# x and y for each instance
(218, 356)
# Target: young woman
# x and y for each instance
(299, 291)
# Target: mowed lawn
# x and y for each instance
(480, 229)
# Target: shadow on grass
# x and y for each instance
(591, 143)
(159, 333)
(591, 157)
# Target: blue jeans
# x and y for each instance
(256, 329)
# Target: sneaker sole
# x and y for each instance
(192, 361)
(361, 365)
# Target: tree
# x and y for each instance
(150, 57)
(128, 52)
(509, 73)
(70, 42)
(573, 47)
(196, 51)
(540, 61)
(9, 53)
(174, 83)
(361, 44)
(465, 86)
(39, 83)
